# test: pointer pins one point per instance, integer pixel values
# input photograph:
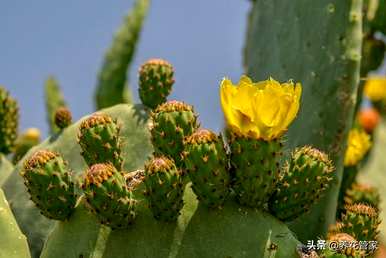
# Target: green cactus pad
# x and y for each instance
(135, 144)
(6, 169)
(63, 117)
(9, 121)
(108, 196)
(361, 193)
(113, 77)
(54, 99)
(164, 188)
(340, 251)
(305, 178)
(172, 122)
(13, 244)
(50, 185)
(361, 221)
(206, 163)
(156, 78)
(255, 167)
(99, 139)
(25, 142)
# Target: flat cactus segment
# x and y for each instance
(13, 244)
(99, 139)
(112, 79)
(9, 121)
(164, 188)
(361, 193)
(156, 78)
(236, 232)
(255, 168)
(50, 184)
(136, 148)
(207, 165)
(305, 178)
(81, 236)
(319, 45)
(6, 169)
(54, 99)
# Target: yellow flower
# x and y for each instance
(357, 146)
(32, 134)
(375, 88)
(261, 110)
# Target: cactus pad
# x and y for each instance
(156, 78)
(9, 121)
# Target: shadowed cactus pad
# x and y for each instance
(172, 122)
(156, 78)
(207, 165)
(164, 188)
(361, 221)
(9, 121)
(63, 117)
(99, 139)
(361, 193)
(108, 196)
(305, 178)
(255, 168)
(50, 185)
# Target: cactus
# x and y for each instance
(109, 197)
(13, 243)
(137, 149)
(206, 163)
(330, 53)
(344, 251)
(25, 142)
(171, 123)
(305, 179)
(50, 185)
(164, 188)
(54, 100)
(361, 222)
(63, 117)
(361, 193)
(9, 121)
(99, 139)
(111, 88)
(156, 78)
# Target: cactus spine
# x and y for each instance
(206, 163)
(156, 78)
(9, 121)
(50, 185)
(164, 188)
(99, 139)
(111, 88)
(306, 177)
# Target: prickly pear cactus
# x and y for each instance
(330, 48)
(112, 79)
(6, 169)
(9, 121)
(54, 99)
(24, 142)
(13, 244)
(136, 147)
(63, 117)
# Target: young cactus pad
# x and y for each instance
(99, 139)
(306, 177)
(49, 182)
(171, 123)
(206, 163)
(164, 188)
(156, 78)
(9, 121)
(108, 196)
(54, 99)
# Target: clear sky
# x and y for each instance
(203, 39)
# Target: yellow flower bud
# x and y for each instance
(375, 88)
(357, 146)
(261, 110)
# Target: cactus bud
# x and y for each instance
(63, 117)
(172, 122)
(99, 139)
(50, 185)
(361, 193)
(9, 121)
(164, 188)
(207, 165)
(25, 142)
(155, 82)
(305, 179)
(109, 196)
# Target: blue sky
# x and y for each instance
(202, 39)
